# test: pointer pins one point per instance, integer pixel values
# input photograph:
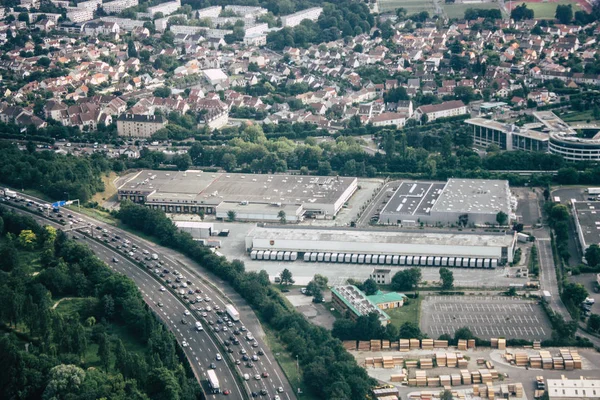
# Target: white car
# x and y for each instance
(257, 377)
(184, 344)
(279, 389)
(162, 289)
(219, 358)
(246, 377)
(186, 312)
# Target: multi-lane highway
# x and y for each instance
(257, 372)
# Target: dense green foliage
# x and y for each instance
(57, 362)
(73, 177)
(329, 371)
(407, 279)
(340, 19)
(367, 327)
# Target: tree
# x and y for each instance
(447, 278)
(162, 91)
(282, 217)
(407, 279)
(131, 50)
(231, 215)
(44, 62)
(27, 239)
(463, 333)
(182, 161)
(592, 255)
(104, 351)
(446, 395)
(409, 330)
(593, 323)
(511, 292)
(521, 12)
(369, 287)
(286, 277)
(559, 212)
(564, 13)
(64, 380)
(574, 292)
(501, 218)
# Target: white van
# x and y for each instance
(199, 327)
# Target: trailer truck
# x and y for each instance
(232, 312)
(213, 381)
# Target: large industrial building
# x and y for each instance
(587, 222)
(573, 389)
(469, 202)
(255, 197)
(381, 247)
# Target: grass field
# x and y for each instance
(408, 313)
(411, 6)
(458, 10)
(110, 190)
(546, 10)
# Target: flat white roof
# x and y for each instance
(569, 388)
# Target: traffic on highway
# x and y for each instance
(207, 326)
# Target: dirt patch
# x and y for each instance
(110, 190)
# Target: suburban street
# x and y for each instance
(265, 374)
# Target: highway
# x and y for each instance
(265, 378)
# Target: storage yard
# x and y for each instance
(420, 369)
(487, 317)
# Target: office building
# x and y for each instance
(507, 136)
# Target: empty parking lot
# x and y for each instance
(485, 316)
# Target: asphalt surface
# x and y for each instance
(200, 353)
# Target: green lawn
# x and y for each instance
(458, 10)
(408, 313)
(411, 6)
(547, 10)
(578, 116)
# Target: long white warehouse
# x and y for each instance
(476, 250)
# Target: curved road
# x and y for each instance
(272, 380)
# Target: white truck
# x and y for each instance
(213, 381)
(10, 193)
(547, 295)
(232, 312)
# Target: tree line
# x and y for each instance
(328, 370)
(46, 353)
(73, 177)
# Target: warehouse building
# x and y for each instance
(382, 247)
(260, 196)
(587, 222)
(197, 229)
(573, 389)
(350, 300)
(468, 202)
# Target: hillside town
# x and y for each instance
(87, 66)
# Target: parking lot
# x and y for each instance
(485, 316)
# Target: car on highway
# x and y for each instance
(254, 357)
(263, 392)
(246, 377)
(226, 392)
(280, 389)
(183, 321)
(243, 351)
(213, 366)
(184, 344)
(186, 313)
(249, 365)
(261, 352)
(257, 377)
(218, 357)
(115, 260)
(159, 304)
(265, 374)
(162, 289)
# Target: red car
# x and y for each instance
(226, 392)
(265, 375)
